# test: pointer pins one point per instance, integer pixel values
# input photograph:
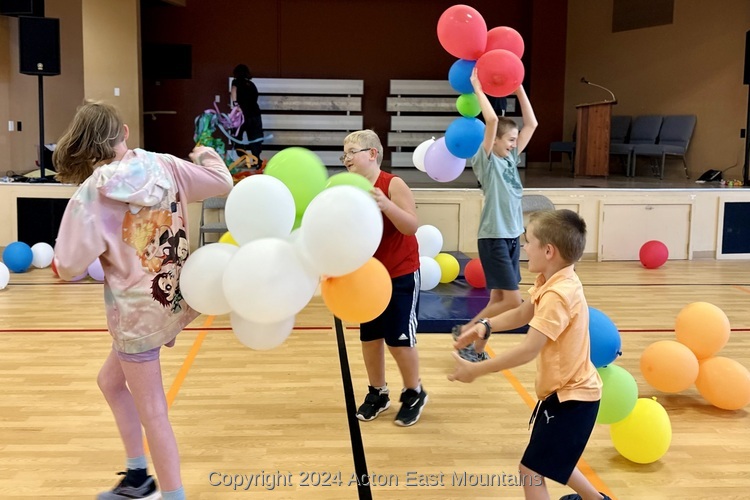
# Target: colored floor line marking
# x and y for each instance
(742, 288)
(583, 466)
(174, 389)
(188, 363)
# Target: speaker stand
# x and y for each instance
(746, 170)
(42, 177)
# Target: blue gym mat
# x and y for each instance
(452, 303)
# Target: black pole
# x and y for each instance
(41, 129)
(746, 170)
(358, 448)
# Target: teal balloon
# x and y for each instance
(468, 105)
(619, 394)
(302, 171)
(350, 179)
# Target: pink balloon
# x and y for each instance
(462, 32)
(95, 270)
(500, 72)
(440, 164)
(506, 38)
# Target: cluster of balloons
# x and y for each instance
(496, 54)
(288, 229)
(640, 428)
(18, 257)
(702, 330)
(434, 266)
(653, 254)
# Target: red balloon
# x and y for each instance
(54, 269)
(506, 38)
(653, 254)
(500, 72)
(474, 274)
(462, 32)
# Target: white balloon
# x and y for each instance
(265, 281)
(4, 275)
(430, 240)
(201, 278)
(341, 229)
(259, 206)
(261, 336)
(43, 254)
(418, 156)
(429, 271)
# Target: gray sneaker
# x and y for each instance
(125, 490)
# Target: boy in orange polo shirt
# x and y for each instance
(567, 383)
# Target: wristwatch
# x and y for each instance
(487, 327)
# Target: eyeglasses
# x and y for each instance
(351, 154)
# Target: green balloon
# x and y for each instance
(468, 105)
(349, 179)
(302, 171)
(619, 394)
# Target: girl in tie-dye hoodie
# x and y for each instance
(131, 212)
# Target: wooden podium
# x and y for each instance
(592, 145)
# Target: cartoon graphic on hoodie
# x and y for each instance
(132, 215)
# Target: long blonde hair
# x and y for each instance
(90, 138)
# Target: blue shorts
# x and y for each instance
(398, 323)
(500, 258)
(559, 436)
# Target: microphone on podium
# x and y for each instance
(583, 80)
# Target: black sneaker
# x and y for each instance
(578, 497)
(376, 402)
(412, 404)
(125, 490)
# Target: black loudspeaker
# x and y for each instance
(747, 58)
(39, 43)
(22, 8)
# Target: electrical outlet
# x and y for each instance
(18, 126)
(117, 91)
(217, 98)
(743, 132)
(11, 126)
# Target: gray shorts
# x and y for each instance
(500, 259)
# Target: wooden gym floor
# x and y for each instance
(280, 416)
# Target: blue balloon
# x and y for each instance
(464, 137)
(18, 256)
(605, 338)
(459, 76)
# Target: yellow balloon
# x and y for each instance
(643, 436)
(449, 267)
(228, 238)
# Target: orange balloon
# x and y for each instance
(703, 327)
(724, 383)
(360, 296)
(669, 366)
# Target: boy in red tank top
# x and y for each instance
(398, 251)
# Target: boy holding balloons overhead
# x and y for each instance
(496, 166)
(567, 383)
(396, 327)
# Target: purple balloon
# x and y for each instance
(95, 270)
(440, 164)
